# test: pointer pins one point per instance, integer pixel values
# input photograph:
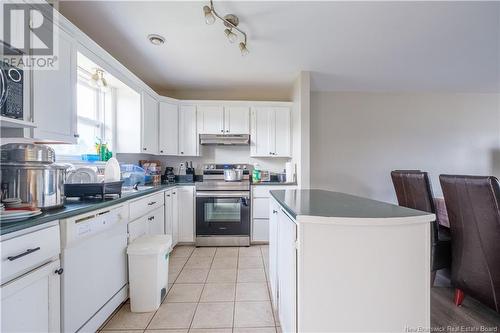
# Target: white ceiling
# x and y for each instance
(347, 46)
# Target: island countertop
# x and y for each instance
(328, 204)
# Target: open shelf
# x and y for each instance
(15, 123)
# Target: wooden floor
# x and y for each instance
(470, 317)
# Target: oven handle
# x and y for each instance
(223, 194)
(3, 90)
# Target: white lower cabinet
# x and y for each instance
(31, 303)
(186, 215)
(260, 210)
(171, 221)
(153, 223)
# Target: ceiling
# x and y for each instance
(347, 46)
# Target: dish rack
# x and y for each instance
(93, 189)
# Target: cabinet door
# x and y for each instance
(54, 96)
(168, 213)
(261, 128)
(175, 218)
(168, 129)
(188, 136)
(210, 119)
(31, 303)
(273, 251)
(149, 124)
(237, 120)
(282, 132)
(186, 213)
(137, 228)
(156, 221)
(287, 273)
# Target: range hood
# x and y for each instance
(225, 139)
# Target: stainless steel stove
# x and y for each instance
(223, 208)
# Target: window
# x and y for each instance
(94, 118)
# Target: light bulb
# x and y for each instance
(243, 49)
(209, 16)
(231, 36)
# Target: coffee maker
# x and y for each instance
(168, 176)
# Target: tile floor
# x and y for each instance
(211, 290)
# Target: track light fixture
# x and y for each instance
(231, 22)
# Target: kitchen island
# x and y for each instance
(341, 263)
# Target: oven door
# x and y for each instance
(222, 213)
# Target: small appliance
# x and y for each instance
(11, 91)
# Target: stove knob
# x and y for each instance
(212, 166)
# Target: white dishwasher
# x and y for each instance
(94, 258)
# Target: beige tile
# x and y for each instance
(124, 319)
(253, 314)
(225, 262)
(252, 291)
(199, 262)
(253, 251)
(122, 331)
(173, 315)
(182, 251)
(214, 315)
(204, 252)
(250, 262)
(185, 293)
(172, 275)
(255, 330)
(251, 275)
(177, 262)
(222, 275)
(166, 331)
(227, 252)
(192, 275)
(210, 330)
(218, 292)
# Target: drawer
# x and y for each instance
(144, 205)
(153, 223)
(23, 253)
(261, 208)
(262, 191)
(260, 230)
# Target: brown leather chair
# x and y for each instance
(473, 209)
(413, 190)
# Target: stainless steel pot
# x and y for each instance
(27, 153)
(233, 175)
(41, 185)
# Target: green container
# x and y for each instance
(256, 176)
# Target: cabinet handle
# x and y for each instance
(270, 153)
(222, 131)
(28, 251)
(151, 218)
(144, 149)
(174, 192)
(168, 195)
(151, 203)
(182, 152)
(275, 211)
(76, 135)
(161, 151)
(59, 271)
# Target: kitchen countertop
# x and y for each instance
(75, 206)
(320, 203)
(273, 183)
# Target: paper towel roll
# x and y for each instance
(290, 172)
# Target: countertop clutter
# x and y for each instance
(75, 206)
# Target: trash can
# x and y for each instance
(148, 271)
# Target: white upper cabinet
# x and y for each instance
(168, 129)
(218, 119)
(270, 132)
(149, 124)
(210, 119)
(54, 96)
(188, 136)
(237, 120)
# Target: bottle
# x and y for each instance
(256, 174)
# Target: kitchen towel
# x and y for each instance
(289, 170)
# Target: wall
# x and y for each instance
(301, 128)
(212, 154)
(358, 138)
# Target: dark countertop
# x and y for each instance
(75, 206)
(273, 183)
(335, 204)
